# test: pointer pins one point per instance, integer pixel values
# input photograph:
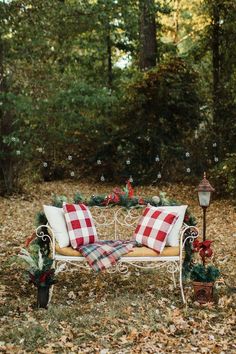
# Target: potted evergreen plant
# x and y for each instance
(203, 275)
(39, 272)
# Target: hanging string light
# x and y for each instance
(157, 158)
(102, 179)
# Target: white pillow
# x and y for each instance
(56, 220)
(173, 236)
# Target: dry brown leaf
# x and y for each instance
(141, 309)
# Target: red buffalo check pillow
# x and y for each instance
(80, 224)
(154, 227)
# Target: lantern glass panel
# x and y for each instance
(204, 198)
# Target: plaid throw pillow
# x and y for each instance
(80, 225)
(154, 227)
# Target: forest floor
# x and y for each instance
(107, 313)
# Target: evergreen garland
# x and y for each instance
(204, 274)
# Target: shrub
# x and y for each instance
(225, 176)
(160, 110)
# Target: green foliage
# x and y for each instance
(96, 200)
(38, 266)
(40, 219)
(58, 200)
(204, 274)
(220, 38)
(224, 176)
(78, 198)
(160, 104)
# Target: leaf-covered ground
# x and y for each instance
(103, 313)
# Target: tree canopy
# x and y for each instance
(112, 89)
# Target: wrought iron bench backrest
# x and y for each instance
(114, 223)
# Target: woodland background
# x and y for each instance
(91, 93)
(108, 89)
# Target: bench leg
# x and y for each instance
(50, 293)
(173, 278)
(54, 265)
(181, 282)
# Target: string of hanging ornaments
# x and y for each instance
(157, 160)
(46, 164)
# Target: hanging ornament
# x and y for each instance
(187, 154)
(102, 178)
(216, 159)
(214, 145)
(131, 179)
(18, 152)
(188, 170)
(69, 157)
(159, 175)
(156, 199)
(128, 161)
(99, 162)
(157, 158)
(45, 164)
(72, 174)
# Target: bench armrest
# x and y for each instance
(188, 233)
(192, 234)
(45, 233)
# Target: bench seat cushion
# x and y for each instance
(137, 252)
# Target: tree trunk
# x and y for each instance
(147, 35)
(109, 59)
(2, 183)
(216, 63)
(1, 67)
(176, 21)
(6, 162)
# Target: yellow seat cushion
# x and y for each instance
(136, 252)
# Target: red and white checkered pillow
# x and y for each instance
(154, 227)
(80, 224)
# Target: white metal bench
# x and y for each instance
(119, 223)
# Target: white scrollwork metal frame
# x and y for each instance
(127, 218)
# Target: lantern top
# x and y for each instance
(205, 186)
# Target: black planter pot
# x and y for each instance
(43, 296)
